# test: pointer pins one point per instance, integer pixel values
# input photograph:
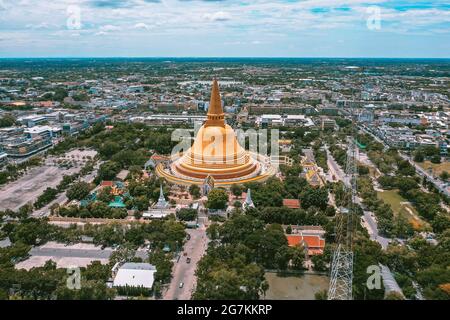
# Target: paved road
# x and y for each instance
(441, 186)
(335, 169)
(436, 182)
(368, 220)
(184, 272)
(309, 153)
(371, 225)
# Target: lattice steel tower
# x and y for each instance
(342, 261)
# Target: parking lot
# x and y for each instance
(76, 255)
(30, 186)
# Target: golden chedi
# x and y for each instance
(215, 153)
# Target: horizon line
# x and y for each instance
(218, 57)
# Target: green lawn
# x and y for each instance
(398, 205)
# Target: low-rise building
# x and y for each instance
(135, 275)
(310, 237)
(291, 203)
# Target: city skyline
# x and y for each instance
(175, 28)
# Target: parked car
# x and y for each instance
(181, 285)
(188, 260)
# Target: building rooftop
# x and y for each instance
(135, 275)
(313, 243)
(291, 203)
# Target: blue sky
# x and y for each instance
(224, 28)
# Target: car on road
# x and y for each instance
(188, 260)
(181, 285)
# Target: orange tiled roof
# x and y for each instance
(311, 241)
(107, 184)
(291, 203)
(46, 104)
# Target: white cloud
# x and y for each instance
(177, 22)
(110, 27)
(142, 25)
(42, 25)
(101, 33)
(217, 16)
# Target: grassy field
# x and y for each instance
(400, 206)
(436, 168)
(295, 287)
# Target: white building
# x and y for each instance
(136, 275)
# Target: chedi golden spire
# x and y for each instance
(215, 112)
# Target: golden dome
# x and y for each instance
(215, 153)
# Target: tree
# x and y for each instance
(321, 295)
(288, 229)
(24, 211)
(440, 223)
(48, 195)
(236, 190)
(298, 257)
(108, 149)
(187, 214)
(7, 121)
(363, 170)
(320, 262)
(194, 190)
(54, 209)
(314, 197)
(213, 231)
(430, 151)
(444, 175)
(217, 199)
(99, 210)
(419, 157)
(141, 203)
(393, 295)
(228, 272)
(163, 265)
(435, 159)
(60, 94)
(405, 168)
(105, 195)
(78, 191)
(402, 227)
(107, 171)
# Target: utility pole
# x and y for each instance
(341, 276)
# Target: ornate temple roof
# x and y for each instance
(215, 153)
(248, 203)
(162, 203)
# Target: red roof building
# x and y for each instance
(107, 184)
(313, 243)
(291, 203)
